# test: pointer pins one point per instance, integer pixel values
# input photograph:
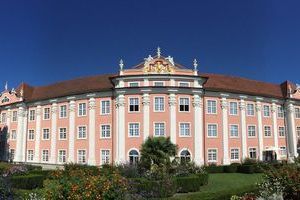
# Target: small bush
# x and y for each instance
(190, 183)
(153, 188)
(233, 168)
(29, 181)
(247, 169)
(215, 169)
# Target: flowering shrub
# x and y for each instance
(15, 170)
(86, 183)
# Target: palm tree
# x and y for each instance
(158, 151)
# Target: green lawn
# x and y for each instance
(222, 186)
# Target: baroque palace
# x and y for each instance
(105, 118)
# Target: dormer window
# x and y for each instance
(5, 100)
(133, 84)
(184, 84)
(159, 83)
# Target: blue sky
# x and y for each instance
(42, 42)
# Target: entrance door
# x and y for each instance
(269, 156)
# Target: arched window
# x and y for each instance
(133, 156)
(5, 100)
(185, 156)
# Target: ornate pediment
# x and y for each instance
(9, 97)
(159, 66)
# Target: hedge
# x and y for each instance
(153, 189)
(29, 181)
(215, 169)
(191, 183)
(233, 168)
(247, 169)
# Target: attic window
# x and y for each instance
(5, 100)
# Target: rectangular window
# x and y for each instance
(46, 134)
(280, 112)
(159, 83)
(234, 130)
(62, 133)
(184, 104)
(184, 84)
(212, 130)
(46, 113)
(298, 131)
(185, 129)
(105, 131)
(45, 155)
(281, 131)
(251, 131)
(267, 130)
(81, 157)
(30, 155)
(63, 111)
(266, 111)
(31, 135)
(81, 132)
(250, 109)
(252, 153)
(134, 129)
(12, 154)
(212, 107)
(282, 150)
(13, 134)
(105, 107)
(15, 116)
(233, 108)
(3, 118)
(159, 104)
(31, 115)
(81, 109)
(159, 129)
(133, 104)
(62, 156)
(212, 155)
(105, 156)
(134, 84)
(297, 113)
(234, 154)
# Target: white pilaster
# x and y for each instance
(243, 128)
(37, 134)
(173, 124)
(120, 139)
(275, 128)
(92, 132)
(198, 130)
(146, 115)
(25, 122)
(20, 136)
(224, 107)
(53, 133)
(259, 129)
(172, 82)
(72, 107)
(8, 121)
(291, 134)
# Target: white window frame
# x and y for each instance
(107, 157)
(15, 134)
(139, 107)
(254, 130)
(154, 130)
(61, 111)
(189, 129)
(236, 110)
(189, 104)
(86, 132)
(59, 133)
(238, 153)
(31, 115)
(212, 161)
(163, 83)
(256, 152)
(281, 127)
(101, 130)
(30, 157)
(105, 107)
(154, 104)
(133, 82)
(238, 132)
(46, 114)
(247, 110)
(48, 134)
(207, 107)
(297, 112)
(83, 112)
(84, 156)
(48, 157)
(268, 136)
(283, 150)
(138, 129)
(59, 156)
(14, 116)
(207, 133)
(30, 134)
(280, 112)
(264, 111)
(298, 131)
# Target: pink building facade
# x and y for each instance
(105, 118)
